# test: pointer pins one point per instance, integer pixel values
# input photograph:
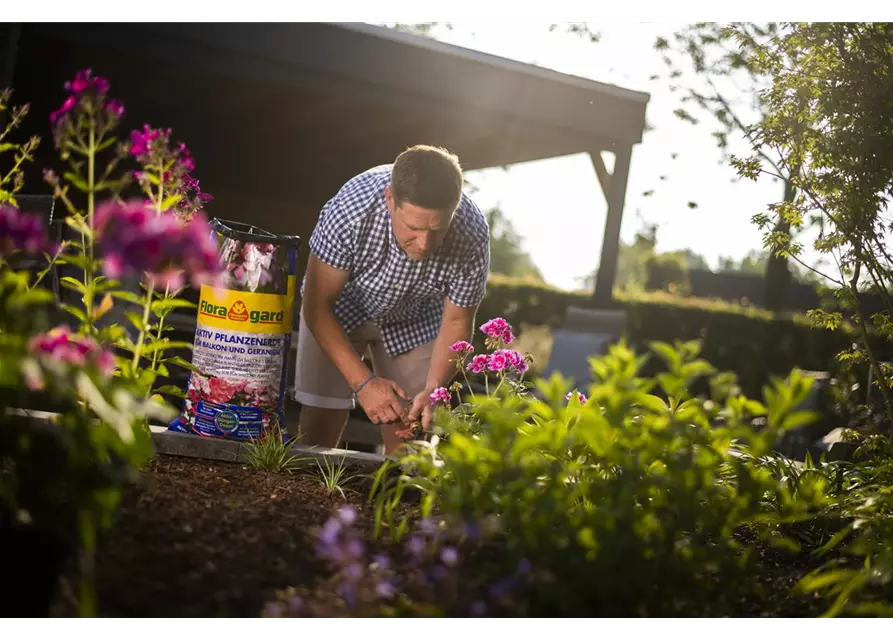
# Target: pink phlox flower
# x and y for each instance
(61, 345)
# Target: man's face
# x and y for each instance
(418, 231)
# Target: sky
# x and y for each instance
(531, 193)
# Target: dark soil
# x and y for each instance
(207, 539)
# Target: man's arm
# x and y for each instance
(321, 291)
(457, 324)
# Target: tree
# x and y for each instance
(717, 60)
(507, 257)
(829, 119)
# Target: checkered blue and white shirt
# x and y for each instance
(405, 298)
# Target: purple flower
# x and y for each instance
(22, 232)
(353, 571)
(439, 573)
(274, 610)
(381, 561)
(449, 556)
(416, 546)
(384, 589)
(295, 603)
(134, 239)
(348, 593)
(67, 106)
(347, 515)
(141, 141)
(354, 548)
(501, 588)
(84, 80)
(114, 108)
(524, 567)
(427, 526)
(470, 530)
(478, 609)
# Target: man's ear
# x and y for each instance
(389, 198)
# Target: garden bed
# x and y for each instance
(205, 538)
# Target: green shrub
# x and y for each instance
(752, 343)
(623, 504)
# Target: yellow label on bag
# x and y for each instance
(246, 311)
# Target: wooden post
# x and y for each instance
(615, 196)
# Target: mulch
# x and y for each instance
(209, 539)
(214, 539)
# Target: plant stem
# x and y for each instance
(147, 309)
(159, 335)
(88, 242)
(138, 350)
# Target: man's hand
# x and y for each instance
(381, 400)
(421, 409)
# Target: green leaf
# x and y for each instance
(586, 538)
(170, 389)
(35, 297)
(72, 283)
(161, 345)
(128, 296)
(170, 201)
(136, 320)
(76, 180)
(77, 313)
(105, 144)
(180, 362)
(159, 307)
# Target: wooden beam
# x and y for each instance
(616, 195)
(604, 178)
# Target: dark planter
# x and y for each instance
(33, 562)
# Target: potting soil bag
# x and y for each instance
(243, 337)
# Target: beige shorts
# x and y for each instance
(318, 383)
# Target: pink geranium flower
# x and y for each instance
(440, 396)
(498, 361)
(580, 396)
(462, 347)
(498, 328)
(478, 363)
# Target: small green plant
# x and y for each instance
(333, 476)
(272, 453)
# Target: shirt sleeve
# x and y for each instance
(332, 239)
(468, 287)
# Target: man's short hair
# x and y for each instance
(427, 177)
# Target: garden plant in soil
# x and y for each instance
(633, 496)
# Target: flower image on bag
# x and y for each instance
(242, 337)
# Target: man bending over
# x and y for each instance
(398, 265)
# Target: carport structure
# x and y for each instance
(278, 116)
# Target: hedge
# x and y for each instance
(751, 342)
